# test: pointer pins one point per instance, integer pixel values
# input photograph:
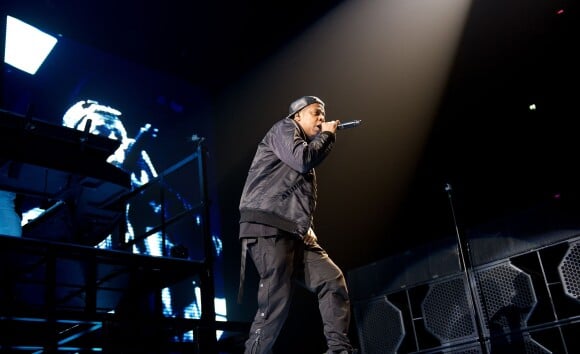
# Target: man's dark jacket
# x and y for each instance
(280, 189)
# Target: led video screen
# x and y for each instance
(159, 122)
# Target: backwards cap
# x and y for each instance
(301, 103)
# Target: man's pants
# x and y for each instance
(280, 261)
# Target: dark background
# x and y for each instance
(443, 89)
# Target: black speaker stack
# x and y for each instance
(519, 294)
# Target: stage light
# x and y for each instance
(26, 46)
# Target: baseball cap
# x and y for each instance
(302, 102)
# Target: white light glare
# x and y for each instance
(532, 107)
(26, 46)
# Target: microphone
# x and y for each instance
(347, 125)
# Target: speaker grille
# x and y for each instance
(446, 310)
(380, 326)
(569, 270)
(506, 295)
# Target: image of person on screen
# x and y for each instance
(277, 208)
(106, 121)
(143, 210)
(130, 156)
